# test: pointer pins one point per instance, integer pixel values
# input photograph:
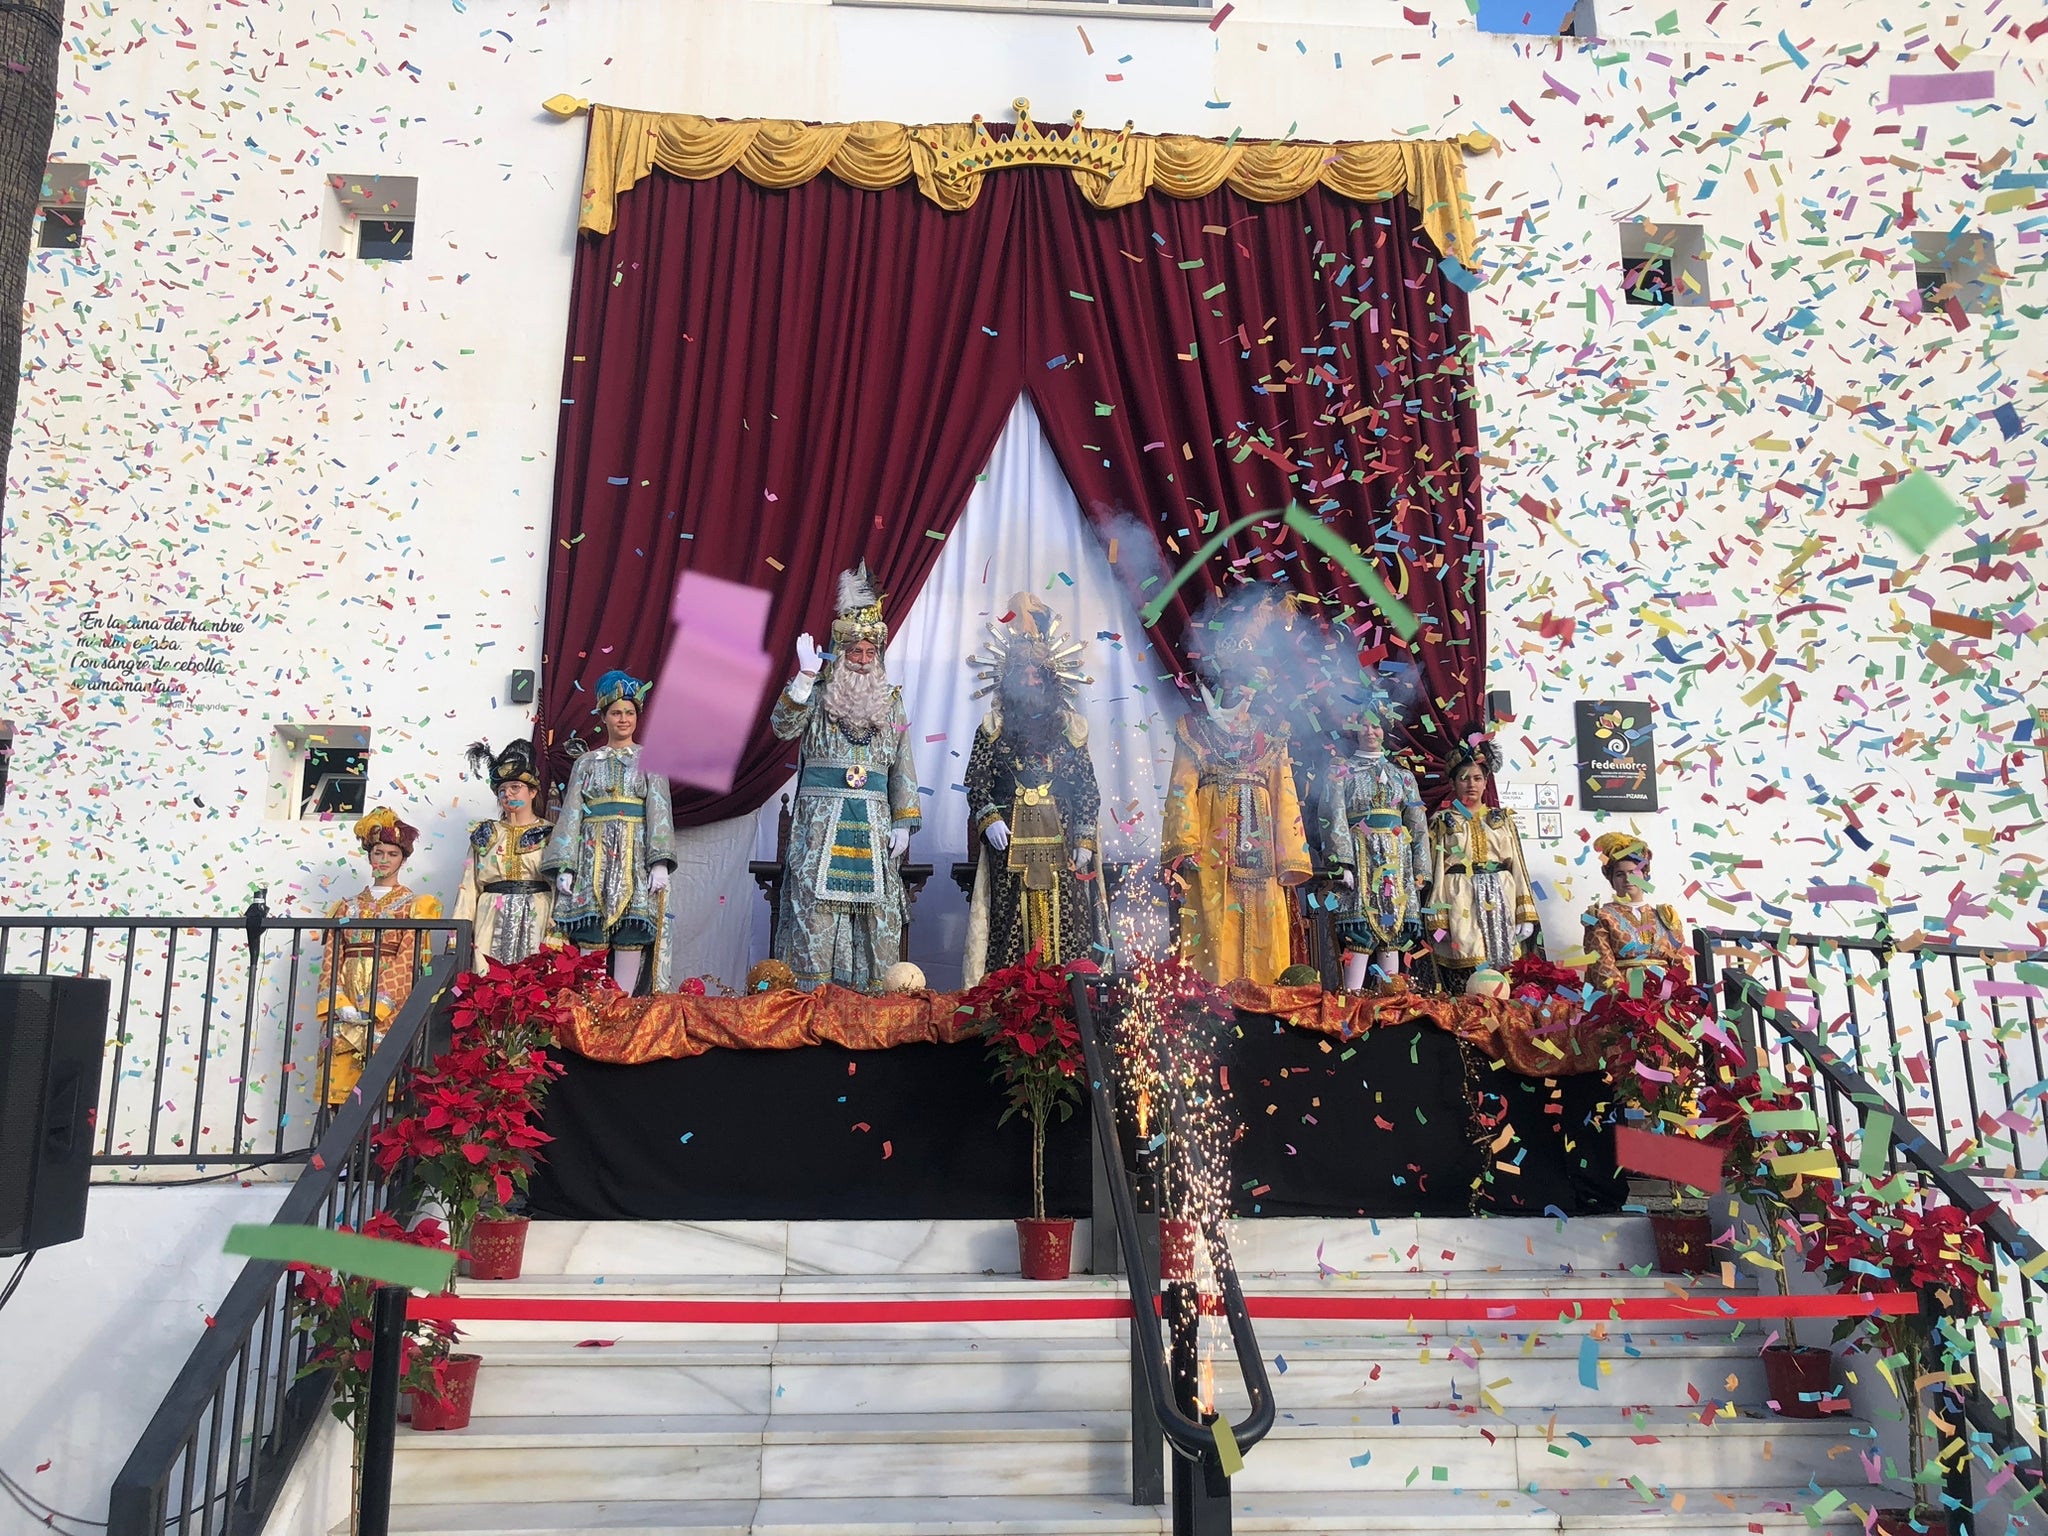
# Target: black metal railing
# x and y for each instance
(224, 1439)
(1950, 1033)
(1166, 1396)
(219, 1050)
(1990, 1367)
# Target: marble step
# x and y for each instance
(644, 1378)
(972, 1247)
(1070, 1453)
(1770, 1510)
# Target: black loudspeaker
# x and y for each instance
(53, 1034)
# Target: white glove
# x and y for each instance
(1524, 932)
(808, 661)
(565, 882)
(1084, 859)
(899, 842)
(657, 879)
(998, 834)
(1350, 881)
(348, 1013)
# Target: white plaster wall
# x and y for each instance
(101, 1327)
(354, 461)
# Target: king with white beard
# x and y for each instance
(843, 910)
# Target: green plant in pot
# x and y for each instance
(1876, 1240)
(1025, 1017)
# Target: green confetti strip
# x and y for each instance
(373, 1258)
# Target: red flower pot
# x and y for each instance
(497, 1248)
(1685, 1243)
(1793, 1374)
(1178, 1240)
(1045, 1247)
(1899, 1522)
(458, 1392)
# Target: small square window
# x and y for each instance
(1663, 264)
(371, 217)
(60, 223)
(385, 240)
(1959, 266)
(318, 772)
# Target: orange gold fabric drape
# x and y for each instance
(1548, 1040)
(626, 146)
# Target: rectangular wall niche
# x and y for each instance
(1957, 264)
(60, 211)
(371, 217)
(1663, 263)
(318, 771)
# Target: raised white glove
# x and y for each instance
(1084, 859)
(565, 882)
(899, 842)
(1350, 881)
(1524, 932)
(998, 834)
(657, 879)
(808, 657)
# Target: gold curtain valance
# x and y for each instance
(625, 146)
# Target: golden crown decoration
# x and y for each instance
(1031, 632)
(1080, 148)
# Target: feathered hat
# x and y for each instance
(383, 826)
(1613, 847)
(858, 613)
(1474, 749)
(514, 765)
(616, 685)
(1030, 633)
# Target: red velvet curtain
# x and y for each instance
(771, 385)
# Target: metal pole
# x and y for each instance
(380, 1413)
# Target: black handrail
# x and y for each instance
(1992, 1416)
(189, 1022)
(1193, 1439)
(241, 1385)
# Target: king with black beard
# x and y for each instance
(1032, 802)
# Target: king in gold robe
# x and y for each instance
(1232, 844)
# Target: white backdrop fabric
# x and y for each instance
(1022, 531)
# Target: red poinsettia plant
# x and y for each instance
(1651, 1047)
(1532, 979)
(1025, 1017)
(333, 1312)
(474, 1132)
(1863, 1243)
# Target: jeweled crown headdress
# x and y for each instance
(858, 613)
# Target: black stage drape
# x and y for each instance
(1383, 1125)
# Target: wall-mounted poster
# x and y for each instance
(1617, 755)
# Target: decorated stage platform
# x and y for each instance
(838, 1105)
